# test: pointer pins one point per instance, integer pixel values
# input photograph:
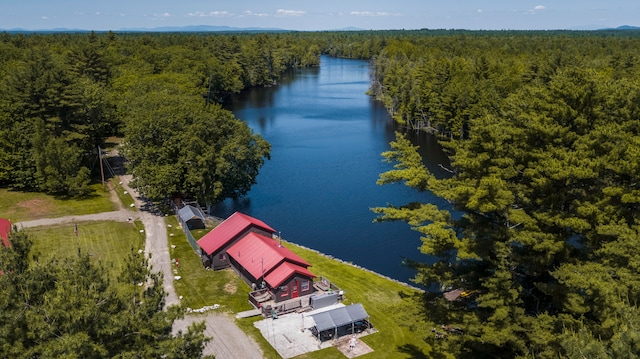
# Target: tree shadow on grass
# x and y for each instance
(413, 351)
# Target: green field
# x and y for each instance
(106, 241)
(24, 206)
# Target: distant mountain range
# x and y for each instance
(209, 28)
(625, 27)
(201, 28)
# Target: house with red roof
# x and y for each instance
(264, 263)
(5, 229)
(247, 245)
(214, 245)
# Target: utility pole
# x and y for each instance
(101, 168)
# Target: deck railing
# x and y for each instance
(259, 296)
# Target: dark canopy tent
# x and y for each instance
(345, 318)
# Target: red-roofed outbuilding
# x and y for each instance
(214, 244)
(261, 260)
(5, 229)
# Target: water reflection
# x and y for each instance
(327, 136)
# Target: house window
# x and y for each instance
(284, 291)
(222, 256)
(304, 285)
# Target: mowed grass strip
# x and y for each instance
(126, 199)
(24, 206)
(106, 241)
(198, 286)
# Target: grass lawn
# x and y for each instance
(201, 287)
(389, 303)
(23, 206)
(106, 241)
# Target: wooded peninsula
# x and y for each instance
(541, 258)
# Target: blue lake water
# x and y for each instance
(327, 137)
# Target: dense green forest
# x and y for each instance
(542, 129)
(62, 95)
(543, 132)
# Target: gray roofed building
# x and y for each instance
(192, 217)
(340, 321)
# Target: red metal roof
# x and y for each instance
(260, 255)
(223, 233)
(5, 228)
(283, 272)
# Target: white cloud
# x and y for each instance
(282, 12)
(536, 9)
(209, 14)
(251, 13)
(369, 13)
(479, 10)
(166, 14)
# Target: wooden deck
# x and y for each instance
(263, 300)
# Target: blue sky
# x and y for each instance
(320, 14)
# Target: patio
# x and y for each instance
(291, 335)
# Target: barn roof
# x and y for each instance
(5, 228)
(226, 231)
(190, 212)
(260, 255)
(284, 271)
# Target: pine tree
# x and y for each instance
(70, 308)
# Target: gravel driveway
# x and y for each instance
(227, 340)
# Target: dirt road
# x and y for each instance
(228, 341)
(119, 216)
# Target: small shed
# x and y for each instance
(5, 229)
(341, 321)
(192, 217)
